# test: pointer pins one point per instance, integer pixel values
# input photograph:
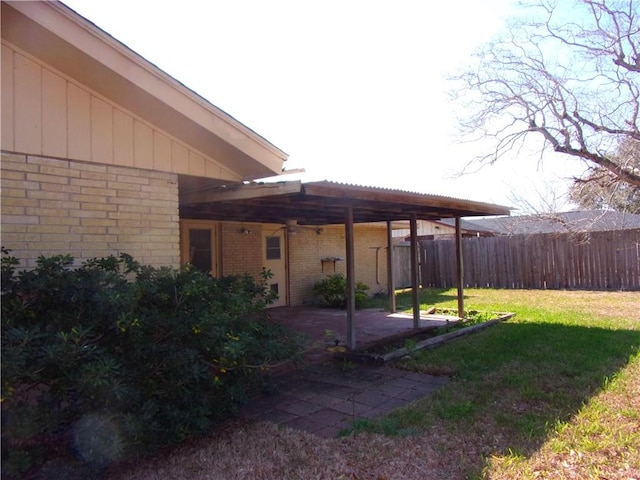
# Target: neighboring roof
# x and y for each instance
(324, 203)
(61, 38)
(577, 221)
(467, 226)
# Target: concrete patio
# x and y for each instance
(324, 396)
(325, 326)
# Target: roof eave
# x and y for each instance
(55, 34)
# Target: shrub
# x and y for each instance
(332, 292)
(111, 357)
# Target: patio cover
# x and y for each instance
(326, 203)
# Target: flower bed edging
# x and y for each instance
(374, 358)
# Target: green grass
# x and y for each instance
(521, 385)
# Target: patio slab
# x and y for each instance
(325, 395)
(326, 327)
(325, 398)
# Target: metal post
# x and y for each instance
(415, 283)
(459, 269)
(351, 282)
(390, 278)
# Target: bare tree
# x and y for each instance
(601, 189)
(569, 74)
(545, 199)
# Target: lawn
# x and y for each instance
(552, 393)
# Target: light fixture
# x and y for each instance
(292, 226)
(245, 231)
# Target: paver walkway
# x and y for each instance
(324, 399)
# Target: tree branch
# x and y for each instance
(528, 82)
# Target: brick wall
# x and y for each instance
(53, 206)
(307, 248)
(241, 253)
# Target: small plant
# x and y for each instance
(474, 316)
(346, 366)
(332, 292)
(410, 344)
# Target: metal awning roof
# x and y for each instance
(324, 203)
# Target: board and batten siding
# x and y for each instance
(48, 114)
(83, 176)
(426, 227)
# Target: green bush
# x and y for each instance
(112, 358)
(332, 292)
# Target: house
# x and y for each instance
(439, 229)
(581, 221)
(104, 153)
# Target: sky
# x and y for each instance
(354, 91)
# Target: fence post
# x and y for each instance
(390, 276)
(351, 289)
(413, 224)
(459, 269)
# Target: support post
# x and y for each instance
(391, 289)
(351, 282)
(415, 282)
(459, 269)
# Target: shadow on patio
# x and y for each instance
(323, 327)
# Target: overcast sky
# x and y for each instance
(353, 90)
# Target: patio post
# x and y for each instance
(459, 269)
(415, 282)
(351, 282)
(390, 279)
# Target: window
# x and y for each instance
(273, 248)
(200, 251)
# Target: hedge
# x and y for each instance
(111, 359)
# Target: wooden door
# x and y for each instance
(274, 259)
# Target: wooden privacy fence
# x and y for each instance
(402, 266)
(594, 261)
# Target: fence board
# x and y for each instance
(402, 265)
(597, 261)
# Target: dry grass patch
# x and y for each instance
(267, 452)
